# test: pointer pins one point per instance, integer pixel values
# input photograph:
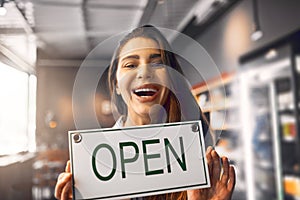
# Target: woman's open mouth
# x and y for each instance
(146, 93)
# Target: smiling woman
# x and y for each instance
(144, 61)
(148, 87)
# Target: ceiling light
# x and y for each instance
(257, 32)
(256, 35)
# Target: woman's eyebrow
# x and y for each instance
(130, 57)
(155, 55)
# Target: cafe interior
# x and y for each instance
(243, 69)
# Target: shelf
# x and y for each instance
(262, 110)
(223, 80)
(286, 111)
(215, 98)
(286, 107)
(226, 127)
(288, 139)
(265, 188)
(222, 105)
(265, 165)
(289, 171)
(265, 139)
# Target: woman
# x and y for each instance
(147, 86)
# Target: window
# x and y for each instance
(17, 110)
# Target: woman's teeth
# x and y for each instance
(145, 92)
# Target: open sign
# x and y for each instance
(138, 161)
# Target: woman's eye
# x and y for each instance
(157, 64)
(130, 66)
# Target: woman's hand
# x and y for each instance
(63, 188)
(222, 179)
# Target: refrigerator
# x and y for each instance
(269, 109)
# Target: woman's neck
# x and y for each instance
(156, 116)
(137, 121)
(144, 120)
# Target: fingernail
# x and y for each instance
(209, 148)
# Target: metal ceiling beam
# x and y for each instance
(56, 3)
(21, 63)
(117, 7)
(148, 11)
(25, 25)
(66, 33)
(12, 31)
(71, 63)
(85, 22)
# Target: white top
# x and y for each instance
(119, 123)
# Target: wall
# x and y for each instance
(54, 95)
(229, 36)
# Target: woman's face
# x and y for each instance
(142, 79)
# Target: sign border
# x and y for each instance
(201, 137)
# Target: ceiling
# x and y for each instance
(70, 29)
(67, 30)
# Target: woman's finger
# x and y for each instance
(231, 182)
(65, 195)
(68, 167)
(209, 160)
(63, 179)
(209, 149)
(225, 174)
(216, 166)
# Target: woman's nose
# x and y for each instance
(145, 72)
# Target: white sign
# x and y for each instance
(138, 161)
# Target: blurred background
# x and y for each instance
(252, 101)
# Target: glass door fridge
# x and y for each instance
(270, 120)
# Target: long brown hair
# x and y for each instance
(179, 95)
